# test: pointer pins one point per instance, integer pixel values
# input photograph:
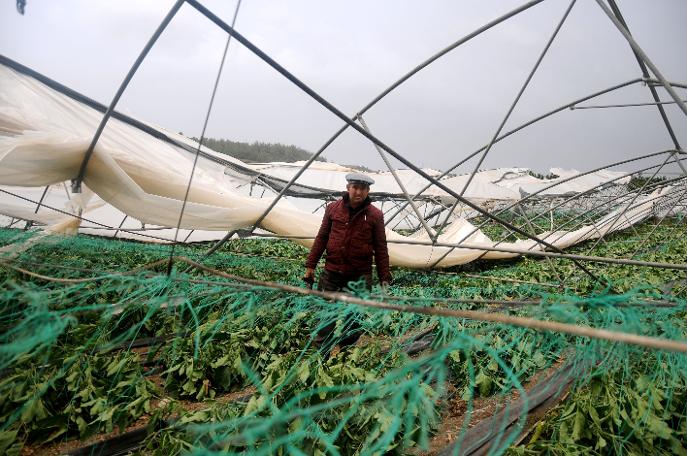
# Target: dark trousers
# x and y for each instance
(334, 281)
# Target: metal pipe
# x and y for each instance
(512, 106)
(66, 190)
(188, 236)
(645, 73)
(271, 62)
(531, 122)
(202, 136)
(548, 260)
(538, 253)
(80, 217)
(638, 50)
(637, 195)
(523, 252)
(76, 183)
(493, 317)
(627, 105)
(38, 206)
(373, 102)
(477, 228)
(656, 82)
(530, 196)
(120, 226)
(510, 111)
(598, 207)
(648, 236)
(586, 192)
(627, 208)
(430, 232)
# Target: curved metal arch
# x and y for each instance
(373, 102)
(527, 124)
(531, 195)
(76, 183)
(331, 108)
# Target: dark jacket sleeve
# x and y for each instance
(320, 240)
(381, 251)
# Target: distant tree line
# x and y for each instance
(637, 182)
(542, 176)
(258, 152)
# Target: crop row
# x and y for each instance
(67, 371)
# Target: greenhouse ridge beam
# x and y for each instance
(626, 105)
(267, 59)
(656, 82)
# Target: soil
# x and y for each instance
(455, 409)
(449, 429)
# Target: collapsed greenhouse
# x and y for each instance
(153, 301)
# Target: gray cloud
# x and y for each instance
(350, 51)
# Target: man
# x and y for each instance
(352, 231)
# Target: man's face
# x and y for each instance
(357, 193)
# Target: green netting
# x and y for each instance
(211, 364)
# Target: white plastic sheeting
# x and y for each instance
(495, 184)
(518, 180)
(44, 135)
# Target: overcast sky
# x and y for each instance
(350, 51)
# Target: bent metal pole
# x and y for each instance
(76, 183)
(638, 50)
(331, 108)
(378, 98)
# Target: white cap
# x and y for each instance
(359, 178)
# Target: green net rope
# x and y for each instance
(213, 365)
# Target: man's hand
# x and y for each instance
(309, 273)
(309, 277)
